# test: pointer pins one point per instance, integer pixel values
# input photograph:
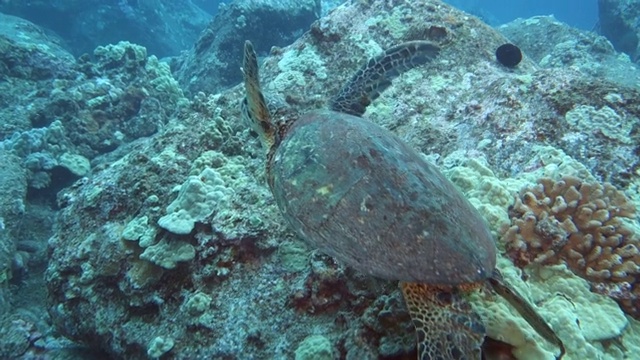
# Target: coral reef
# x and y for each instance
(315, 347)
(567, 47)
(232, 281)
(582, 225)
(618, 21)
(122, 96)
(29, 59)
(165, 27)
(199, 197)
(586, 320)
(211, 65)
(13, 192)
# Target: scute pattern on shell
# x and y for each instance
(360, 194)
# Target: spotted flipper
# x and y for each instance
(525, 310)
(376, 75)
(447, 328)
(254, 107)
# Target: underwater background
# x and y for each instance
(135, 217)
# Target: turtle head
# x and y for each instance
(254, 106)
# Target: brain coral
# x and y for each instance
(580, 224)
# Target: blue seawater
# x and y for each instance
(577, 13)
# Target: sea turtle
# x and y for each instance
(357, 192)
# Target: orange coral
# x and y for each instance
(580, 224)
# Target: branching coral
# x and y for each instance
(580, 224)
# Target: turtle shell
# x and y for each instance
(360, 194)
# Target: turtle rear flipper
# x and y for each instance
(525, 310)
(446, 325)
(376, 75)
(254, 107)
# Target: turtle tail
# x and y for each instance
(376, 75)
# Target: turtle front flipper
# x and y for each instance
(525, 310)
(376, 75)
(254, 107)
(447, 328)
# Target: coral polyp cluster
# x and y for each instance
(583, 225)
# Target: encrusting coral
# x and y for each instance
(581, 224)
